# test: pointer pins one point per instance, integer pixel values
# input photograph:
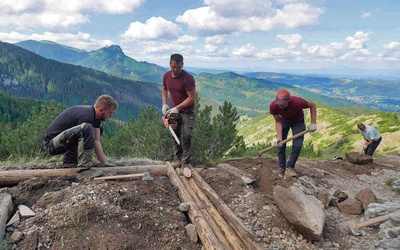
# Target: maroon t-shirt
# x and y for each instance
(178, 86)
(293, 112)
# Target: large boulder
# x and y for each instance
(357, 158)
(305, 212)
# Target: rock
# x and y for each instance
(389, 244)
(184, 207)
(342, 196)
(25, 212)
(191, 231)
(5, 211)
(305, 212)
(14, 221)
(357, 158)
(378, 209)
(15, 236)
(325, 198)
(350, 206)
(366, 196)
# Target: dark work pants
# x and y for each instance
(297, 143)
(371, 148)
(69, 141)
(184, 133)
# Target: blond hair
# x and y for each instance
(106, 102)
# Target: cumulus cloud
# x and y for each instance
(77, 40)
(230, 16)
(58, 14)
(246, 51)
(154, 28)
(392, 45)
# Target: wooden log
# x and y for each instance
(203, 229)
(230, 236)
(203, 210)
(13, 177)
(235, 223)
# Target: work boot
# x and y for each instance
(176, 164)
(87, 166)
(282, 172)
(290, 172)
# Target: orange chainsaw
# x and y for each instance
(171, 122)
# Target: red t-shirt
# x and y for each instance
(293, 112)
(178, 86)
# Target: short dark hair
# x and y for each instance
(177, 58)
(106, 101)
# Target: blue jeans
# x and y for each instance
(296, 127)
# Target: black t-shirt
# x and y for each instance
(72, 117)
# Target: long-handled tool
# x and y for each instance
(145, 177)
(261, 152)
(354, 227)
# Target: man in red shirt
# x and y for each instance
(288, 114)
(182, 90)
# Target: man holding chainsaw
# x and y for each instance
(288, 114)
(182, 91)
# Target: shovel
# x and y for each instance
(260, 153)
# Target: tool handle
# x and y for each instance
(261, 152)
(118, 177)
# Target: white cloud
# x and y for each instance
(78, 40)
(229, 16)
(58, 14)
(154, 28)
(366, 15)
(292, 41)
(245, 51)
(392, 45)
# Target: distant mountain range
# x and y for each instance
(244, 93)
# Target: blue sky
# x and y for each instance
(248, 35)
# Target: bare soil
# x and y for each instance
(77, 213)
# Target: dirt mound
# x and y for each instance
(76, 213)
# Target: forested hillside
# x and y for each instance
(26, 74)
(110, 59)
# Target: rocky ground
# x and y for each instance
(77, 213)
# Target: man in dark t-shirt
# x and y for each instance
(288, 114)
(182, 90)
(76, 131)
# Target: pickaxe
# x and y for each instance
(260, 153)
(354, 227)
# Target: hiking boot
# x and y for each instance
(93, 163)
(282, 171)
(290, 172)
(176, 164)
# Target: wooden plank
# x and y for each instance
(206, 235)
(235, 223)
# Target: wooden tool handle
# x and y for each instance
(282, 142)
(118, 177)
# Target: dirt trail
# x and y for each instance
(75, 213)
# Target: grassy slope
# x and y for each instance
(337, 133)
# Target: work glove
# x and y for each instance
(164, 108)
(365, 146)
(174, 110)
(107, 165)
(312, 127)
(278, 143)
